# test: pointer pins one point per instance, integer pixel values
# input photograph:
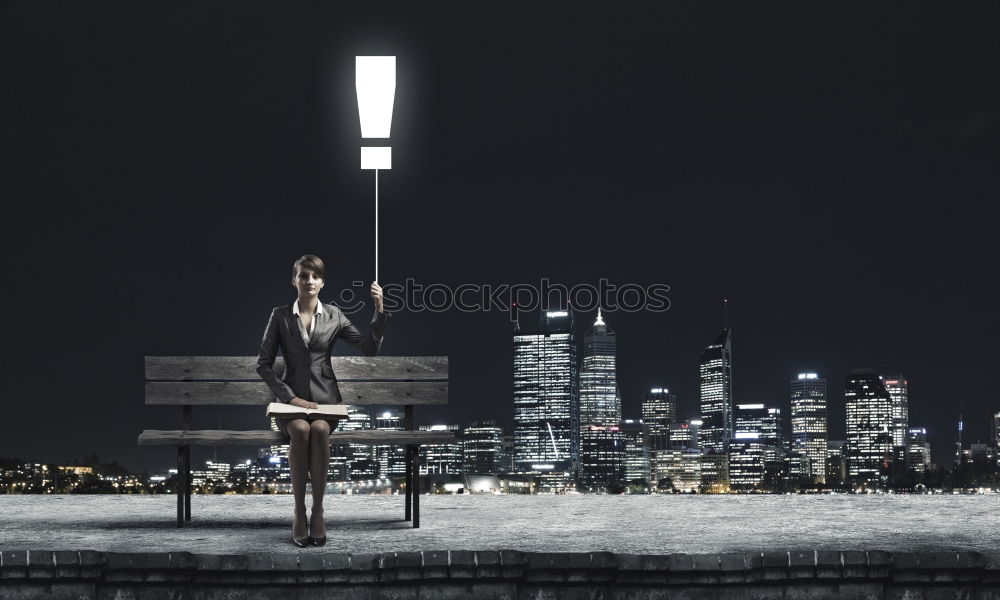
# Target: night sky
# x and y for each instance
(831, 170)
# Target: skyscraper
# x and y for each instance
(757, 441)
(391, 458)
(602, 457)
(715, 472)
(716, 394)
(918, 449)
(809, 429)
(996, 430)
(277, 456)
(482, 448)
(869, 427)
(358, 461)
(684, 435)
(637, 463)
(897, 387)
(958, 444)
(763, 420)
(687, 476)
(836, 463)
(659, 411)
(600, 402)
(746, 461)
(681, 438)
(546, 400)
(441, 458)
(507, 454)
(773, 429)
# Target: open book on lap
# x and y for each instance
(329, 412)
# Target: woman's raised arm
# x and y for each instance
(367, 344)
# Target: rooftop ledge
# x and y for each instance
(500, 574)
(505, 547)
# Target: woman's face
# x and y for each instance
(307, 283)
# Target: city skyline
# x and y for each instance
(659, 407)
(570, 435)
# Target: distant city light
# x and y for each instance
(808, 376)
(750, 406)
(747, 435)
(542, 467)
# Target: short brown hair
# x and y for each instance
(312, 262)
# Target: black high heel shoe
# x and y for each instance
(304, 543)
(317, 541)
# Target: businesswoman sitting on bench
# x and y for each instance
(306, 330)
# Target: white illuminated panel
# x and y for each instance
(378, 157)
(375, 81)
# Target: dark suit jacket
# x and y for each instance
(308, 373)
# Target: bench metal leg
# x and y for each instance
(408, 426)
(180, 486)
(184, 472)
(416, 486)
(409, 480)
(187, 483)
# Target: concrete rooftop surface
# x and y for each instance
(576, 523)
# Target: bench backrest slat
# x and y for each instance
(385, 393)
(244, 368)
(256, 438)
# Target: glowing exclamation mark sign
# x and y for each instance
(375, 82)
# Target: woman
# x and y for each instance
(306, 331)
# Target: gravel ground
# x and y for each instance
(577, 523)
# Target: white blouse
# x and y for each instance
(306, 335)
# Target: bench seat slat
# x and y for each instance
(229, 437)
(356, 393)
(244, 368)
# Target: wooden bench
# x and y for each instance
(188, 381)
